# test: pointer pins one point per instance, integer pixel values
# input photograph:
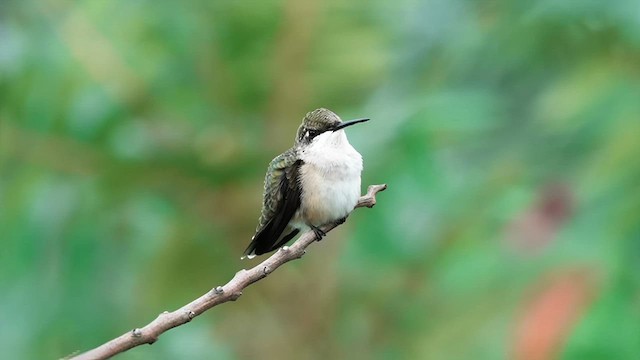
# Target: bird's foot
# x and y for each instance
(319, 233)
(341, 220)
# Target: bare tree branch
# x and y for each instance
(230, 291)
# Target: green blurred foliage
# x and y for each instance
(134, 136)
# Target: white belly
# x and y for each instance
(330, 180)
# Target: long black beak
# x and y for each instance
(349, 123)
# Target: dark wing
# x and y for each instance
(281, 199)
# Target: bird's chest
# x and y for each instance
(330, 181)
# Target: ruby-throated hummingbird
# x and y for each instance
(316, 182)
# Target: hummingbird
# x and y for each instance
(315, 182)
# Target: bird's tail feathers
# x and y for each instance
(261, 244)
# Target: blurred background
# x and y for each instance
(134, 137)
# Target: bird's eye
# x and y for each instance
(306, 135)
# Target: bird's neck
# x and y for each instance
(330, 140)
(331, 149)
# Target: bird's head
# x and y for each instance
(320, 121)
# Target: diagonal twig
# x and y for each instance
(230, 291)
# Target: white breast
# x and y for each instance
(330, 179)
